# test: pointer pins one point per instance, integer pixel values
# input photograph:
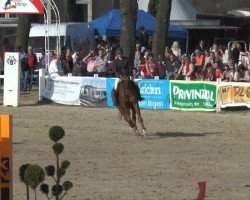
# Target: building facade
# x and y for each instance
(219, 6)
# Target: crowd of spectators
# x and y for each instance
(205, 64)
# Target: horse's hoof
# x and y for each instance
(144, 133)
(135, 130)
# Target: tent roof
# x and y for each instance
(181, 9)
(110, 24)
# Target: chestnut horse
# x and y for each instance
(127, 102)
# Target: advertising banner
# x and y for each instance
(234, 94)
(154, 92)
(21, 7)
(193, 95)
(86, 91)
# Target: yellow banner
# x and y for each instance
(234, 94)
(6, 188)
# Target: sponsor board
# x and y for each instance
(193, 95)
(234, 94)
(154, 92)
(86, 91)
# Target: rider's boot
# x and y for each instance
(114, 97)
(138, 93)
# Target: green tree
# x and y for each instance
(128, 31)
(56, 133)
(33, 176)
(161, 27)
(22, 170)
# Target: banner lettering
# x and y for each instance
(190, 95)
(234, 94)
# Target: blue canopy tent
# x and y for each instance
(110, 25)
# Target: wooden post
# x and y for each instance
(6, 180)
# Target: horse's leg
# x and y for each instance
(138, 112)
(134, 116)
(126, 114)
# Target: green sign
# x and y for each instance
(186, 95)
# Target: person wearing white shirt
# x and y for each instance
(55, 68)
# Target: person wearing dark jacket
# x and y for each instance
(122, 69)
(32, 61)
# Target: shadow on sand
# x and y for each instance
(160, 135)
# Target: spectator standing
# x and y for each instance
(167, 53)
(145, 57)
(176, 49)
(100, 63)
(150, 67)
(90, 62)
(55, 67)
(78, 69)
(69, 60)
(137, 60)
(206, 58)
(199, 62)
(143, 39)
(224, 58)
(66, 61)
(201, 47)
(24, 70)
(161, 68)
(5, 48)
(235, 52)
(246, 60)
(32, 61)
(214, 48)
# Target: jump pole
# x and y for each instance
(6, 170)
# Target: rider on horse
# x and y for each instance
(122, 69)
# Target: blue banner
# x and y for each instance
(110, 82)
(154, 92)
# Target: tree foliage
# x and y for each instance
(22, 170)
(33, 175)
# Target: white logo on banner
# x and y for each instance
(17, 6)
